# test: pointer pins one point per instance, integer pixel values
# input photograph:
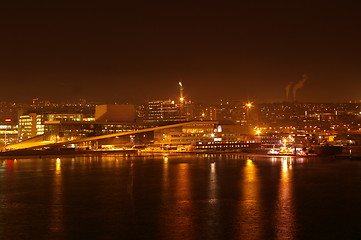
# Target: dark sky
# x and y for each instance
(130, 51)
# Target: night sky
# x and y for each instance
(131, 51)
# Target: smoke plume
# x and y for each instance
(299, 85)
(288, 88)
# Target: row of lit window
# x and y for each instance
(223, 146)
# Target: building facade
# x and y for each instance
(167, 111)
(32, 124)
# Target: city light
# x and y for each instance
(249, 105)
(260, 139)
(229, 126)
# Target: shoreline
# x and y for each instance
(40, 153)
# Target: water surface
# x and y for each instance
(228, 196)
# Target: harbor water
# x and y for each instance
(205, 196)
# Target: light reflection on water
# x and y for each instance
(177, 210)
(285, 214)
(250, 212)
(57, 211)
(183, 205)
(161, 197)
(213, 184)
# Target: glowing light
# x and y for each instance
(249, 105)
(181, 99)
(8, 120)
(284, 165)
(180, 84)
(213, 167)
(249, 163)
(58, 165)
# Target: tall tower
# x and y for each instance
(181, 96)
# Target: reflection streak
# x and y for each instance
(183, 204)
(178, 206)
(212, 183)
(284, 209)
(250, 210)
(57, 211)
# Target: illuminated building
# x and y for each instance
(8, 132)
(167, 111)
(200, 132)
(32, 124)
(204, 112)
(186, 134)
(233, 111)
(66, 131)
(39, 103)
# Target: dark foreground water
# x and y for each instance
(180, 197)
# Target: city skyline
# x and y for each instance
(178, 120)
(128, 52)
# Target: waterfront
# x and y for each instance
(229, 196)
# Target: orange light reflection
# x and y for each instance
(179, 213)
(250, 210)
(57, 211)
(285, 209)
